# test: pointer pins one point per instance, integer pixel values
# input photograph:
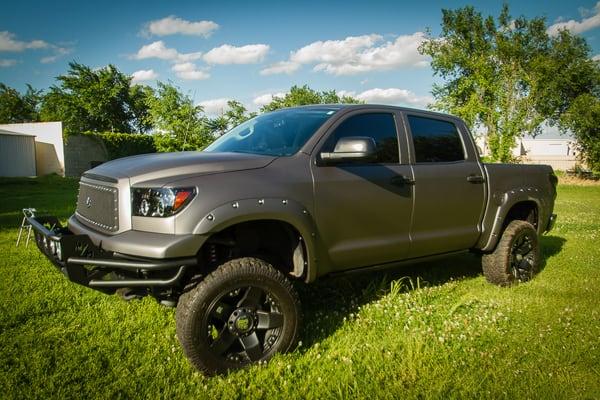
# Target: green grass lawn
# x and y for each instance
(434, 330)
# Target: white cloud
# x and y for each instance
(173, 25)
(334, 51)
(265, 99)
(281, 67)
(227, 54)
(4, 63)
(159, 50)
(356, 54)
(189, 71)
(590, 22)
(58, 53)
(156, 50)
(215, 106)
(596, 57)
(143, 75)
(9, 43)
(392, 96)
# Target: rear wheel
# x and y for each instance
(516, 257)
(242, 313)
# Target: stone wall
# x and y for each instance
(82, 153)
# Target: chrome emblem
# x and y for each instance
(88, 202)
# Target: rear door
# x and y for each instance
(363, 210)
(449, 185)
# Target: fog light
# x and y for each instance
(52, 247)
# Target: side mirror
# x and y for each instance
(352, 148)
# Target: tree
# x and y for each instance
(140, 98)
(300, 96)
(506, 75)
(583, 118)
(16, 108)
(236, 114)
(177, 122)
(89, 99)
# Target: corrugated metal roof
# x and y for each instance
(4, 132)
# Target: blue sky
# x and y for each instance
(249, 50)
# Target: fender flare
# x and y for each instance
(268, 208)
(505, 202)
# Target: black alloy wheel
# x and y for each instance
(516, 257)
(242, 313)
(523, 256)
(243, 324)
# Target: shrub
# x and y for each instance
(124, 144)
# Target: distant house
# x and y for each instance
(31, 149)
(560, 153)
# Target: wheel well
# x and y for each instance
(524, 211)
(276, 242)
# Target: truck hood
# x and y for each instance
(160, 166)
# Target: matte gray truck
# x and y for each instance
(294, 195)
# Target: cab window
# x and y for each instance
(379, 126)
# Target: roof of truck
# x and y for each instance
(369, 106)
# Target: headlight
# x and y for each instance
(161, 202)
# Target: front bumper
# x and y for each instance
(88, 264)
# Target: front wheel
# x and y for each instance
(242, 313)
(516, 257)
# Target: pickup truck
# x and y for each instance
(294, 195)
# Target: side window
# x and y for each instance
(435, 140)
(380, 126)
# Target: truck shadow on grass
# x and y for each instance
(327, 303)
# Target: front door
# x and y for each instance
(363, 210)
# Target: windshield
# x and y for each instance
(280, 133)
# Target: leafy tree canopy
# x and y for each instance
(87, 99)
(16, 107)
(507, 75)
(180, 123)
(304, 95)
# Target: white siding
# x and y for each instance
(17, 155)
(49, 142)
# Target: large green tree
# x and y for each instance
(87, 99)
(16, 107)
(506, 75)
(236, 114)
(583, 118)
(178, 123)
(140, 98)
(304, 95)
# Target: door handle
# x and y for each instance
(475, 178)
(401, 180)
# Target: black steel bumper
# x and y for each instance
(86, 264)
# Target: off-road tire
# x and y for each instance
(197, 306)
(502, 266)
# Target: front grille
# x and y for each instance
(98, 206)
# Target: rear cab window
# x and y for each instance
(435, 140)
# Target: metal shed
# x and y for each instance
(17, 154)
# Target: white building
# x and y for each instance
(559, 153)
(549, 148)
(48, 152)
(17, 154)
